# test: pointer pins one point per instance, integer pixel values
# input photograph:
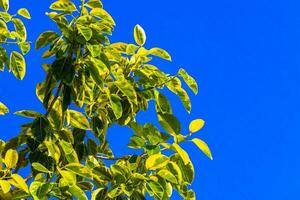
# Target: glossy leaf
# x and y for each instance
(45, 38)
(24, 13)
(28, 113)
(196, 125)
(170, 123)
(160, 53)
(11, 158)
(62, 5)
(156, 161)
(18, 65)
(190, 81)
(3, 109)
(203, 147)
(78, 120)
(139, 35)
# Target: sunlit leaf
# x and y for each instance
(24, 13)
(18, 65)
(156, 161)
(139, 35)
(203, 147)
(196, 125)
(11, 158)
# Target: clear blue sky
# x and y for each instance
(245, 56)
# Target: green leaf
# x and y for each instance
(69, 151)
(77, 192)
(28, 113)
(63, 6)
(101, 13)
(163, 103)
(97, 69)
(5, 16)
(25, 47)
(156, 161)
(3, 109)
(78, 120)
(203, 147)
(160, 53)
(183, 154)
(95, 193)
(20, 182)
(165, 174)
(190, 81)
(45, 38)
(94, 4)
(128, 90)
(11, 158)
(5, 4)
(139, 35)
(196, 125)
(53, 150)
(40, 167)
(69, 177)
(114, 192)
(20, 28)
(85, 31)
(187, 171)
(5, 186)
(157, 189)
(24, 13)
(169, 123)
(18, 65)
(116, 105)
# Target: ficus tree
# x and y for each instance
(104, 83)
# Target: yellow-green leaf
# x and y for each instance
(20, 28)
(139, 35)
(101, 13)
(63, 6)
(190, 81)
(45, 38)
(182, 153)
(20, 182)
(170, 123)
(17, 65)
(160, 53)
(5, 4)
(3, 109)
(5, 186)
(28, 113)
(24, 13)
(25, 47)
(11, 158)
(94, 4)
(78, 120)
(203, 147)
(196, 125)
(156, 161)
(85, 31)
(116, 105)
(40, 167)
(165, 174)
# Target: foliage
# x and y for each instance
(108, 83)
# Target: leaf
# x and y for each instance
(53, 150)
(196, 125)
(25, 47)
(40, 128)
(69, 177)
(169, 123)
(95, 193)
(165, 174)
(78, 120)
(40, 167)
(97, 69)
(18, 65)
(157, 189)
(45, 38)
(3, 109)
(63, 6)
(20, 28)
(28, 113)
(24, 13)
(5, 4)
(11, 158)
(128, 90)
(69, 151)
(156, 161)
(77, 192)
(116, 105)
(163, 103)
(160, 53)
(20, 182)
(139, 35)
(203, 147)
(101, 13)
(114, 192)
(182, 153)
(187, 171)
(190, 81)
(5, 186)
(85, 31)
(5, 16)
(94, 4)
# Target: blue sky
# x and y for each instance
(245, 57)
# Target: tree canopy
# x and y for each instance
(90, 85)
